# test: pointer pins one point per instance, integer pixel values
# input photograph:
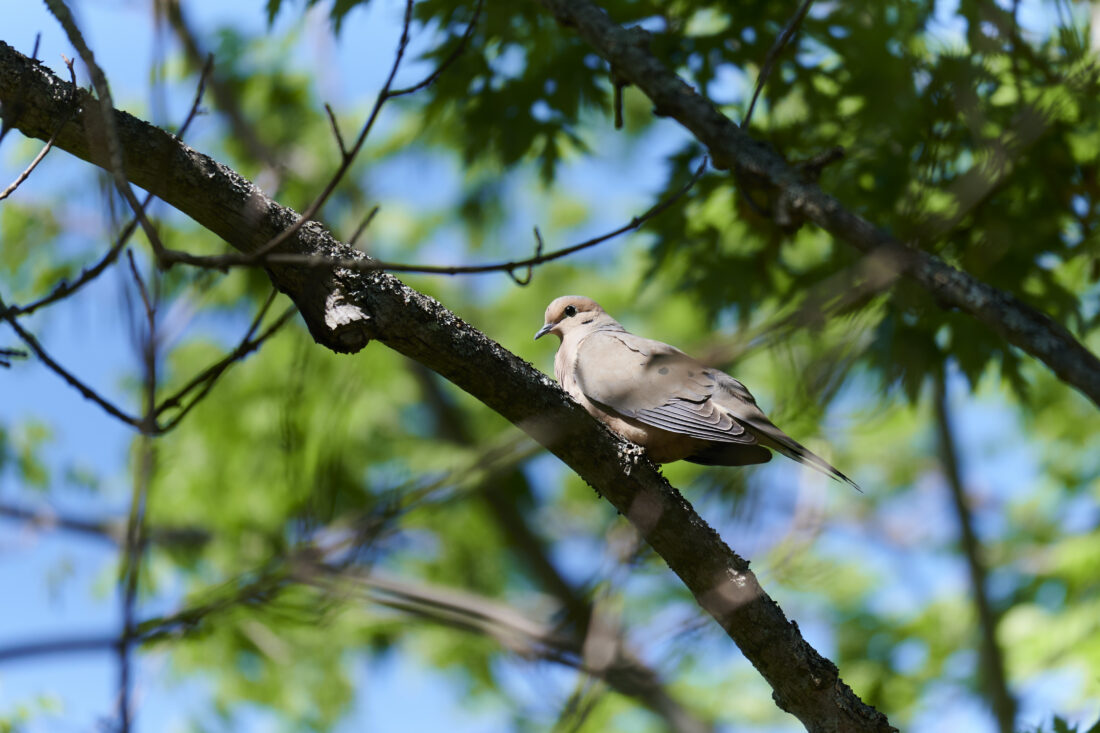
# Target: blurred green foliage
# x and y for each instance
(968, 132)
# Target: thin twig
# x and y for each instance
(64, 289)
(348, 157)
(6, 354)
(336, 130)
(146, 301)
(204, 77)
(451, 57)
(49, 143)
(107, 109)
(80, 386)
(366, 264)
(526, 279)
(363, 225)
(215, 369)
(769, 60)
(210, 376)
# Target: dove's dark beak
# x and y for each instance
(543, 331)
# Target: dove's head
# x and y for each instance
(571, 313)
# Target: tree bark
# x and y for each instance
(344, 310)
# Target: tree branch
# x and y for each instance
(732, 148)
(345, 309)
(993, 663)
(41, 153)
(498, 492)
(86, 391)
(781, 41)
(370, 264)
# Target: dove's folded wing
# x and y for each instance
(655, 384)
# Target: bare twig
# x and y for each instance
(85, 390)
(996, 680)
(64, 289)
(204, 77)
(450, 59)
(336, 130)
(348, 157)
(367, 264)
(146, 301)
(7, 354)
(206, 380)
(110, 135)
(780, 42)
(363, 225)
(49, 143)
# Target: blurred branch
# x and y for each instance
(209, 376)
(363, 225)
(732, 148)
(105, 132)
(344, 310)
(133, 549)
(499, 492)
(514, 629)
(64, 289)
(348, 155)
(781, 42)
(60, 645)
(6, 355)
(109, 530)
(227, 100)
(993, 664)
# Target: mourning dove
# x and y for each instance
(655, 395)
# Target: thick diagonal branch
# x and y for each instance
(731, 147)
(627, 674)
(345, 309)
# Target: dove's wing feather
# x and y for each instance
(735, 397)
(655, 384)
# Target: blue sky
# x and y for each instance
(65, 583)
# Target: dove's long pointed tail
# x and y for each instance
(772, 437)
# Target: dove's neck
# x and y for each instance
(566, 357)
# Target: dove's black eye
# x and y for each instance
(570, 311)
